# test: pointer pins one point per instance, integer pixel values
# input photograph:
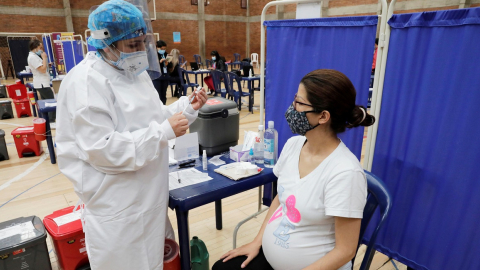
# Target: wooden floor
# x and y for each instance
(34, 186)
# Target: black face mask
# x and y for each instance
(298, 122)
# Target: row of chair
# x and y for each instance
(237, 63)
(229, 79)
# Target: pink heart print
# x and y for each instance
(292, 213)
(276, 215)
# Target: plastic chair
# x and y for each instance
(185, 84)
(208, 63)
(237, 61)
(254, 58)
(198, 59)
(230, 77)
(217, 77)
(182, 62)
(378, 196)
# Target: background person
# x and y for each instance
(161, 83)
(38, 63)
(218, 64)
(314, 221)
(172, 69)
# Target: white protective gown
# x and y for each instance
(112, 143)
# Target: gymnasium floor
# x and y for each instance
(34, 186)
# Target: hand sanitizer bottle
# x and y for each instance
(271, 146)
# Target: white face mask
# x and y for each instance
(134, 63)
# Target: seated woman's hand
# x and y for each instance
(250, 250)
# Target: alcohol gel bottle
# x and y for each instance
(271, 146)
(251, 157)
(258, 146)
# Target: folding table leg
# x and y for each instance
(183, 238)
(218, 214)
(48, 132)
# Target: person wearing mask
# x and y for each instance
(218, 63)
(112, 140)
(38, 63)
(161, 83)
(172, 69)
(314, 221)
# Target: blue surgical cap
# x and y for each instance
(115, 20)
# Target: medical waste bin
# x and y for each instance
(25, 142)
(6, 111)
(66, 231)
(171, 256)
(22, 106)
(3, 91)
(217, 125)
(3, 146)
(17, 90)
(23, 244)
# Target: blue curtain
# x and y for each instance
(427, 150)
(297, 47)
(72, 51)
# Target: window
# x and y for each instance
(243, 4)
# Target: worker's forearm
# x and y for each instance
(271, 210)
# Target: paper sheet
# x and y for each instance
(23, 229)
(216, 160)
(186, 147)
(65, 219)
(187, 177)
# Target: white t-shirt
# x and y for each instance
(40, 80)
(302, 229)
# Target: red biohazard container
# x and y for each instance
(27, 145)
(65, 228)
(31, 96)
(39, 128)
(22, 106)
(17, 91)
(171, 257)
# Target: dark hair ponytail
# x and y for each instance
(33, 44)
(360, 117)
(331, 90)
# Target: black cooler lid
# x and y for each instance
(19, 232)
(5, 101)
(216, 105)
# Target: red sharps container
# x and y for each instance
(65, 228)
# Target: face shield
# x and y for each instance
(126, 24)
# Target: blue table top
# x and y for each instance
(24, 74)
(254, 78)
(197, 71)
(216, 189)
(43, 109)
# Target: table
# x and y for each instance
(250, 82)
(43, 111)
(196, 72)
(187, 198)
(24, 75)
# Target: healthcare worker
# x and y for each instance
(112, 140)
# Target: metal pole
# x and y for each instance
(377, 93)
